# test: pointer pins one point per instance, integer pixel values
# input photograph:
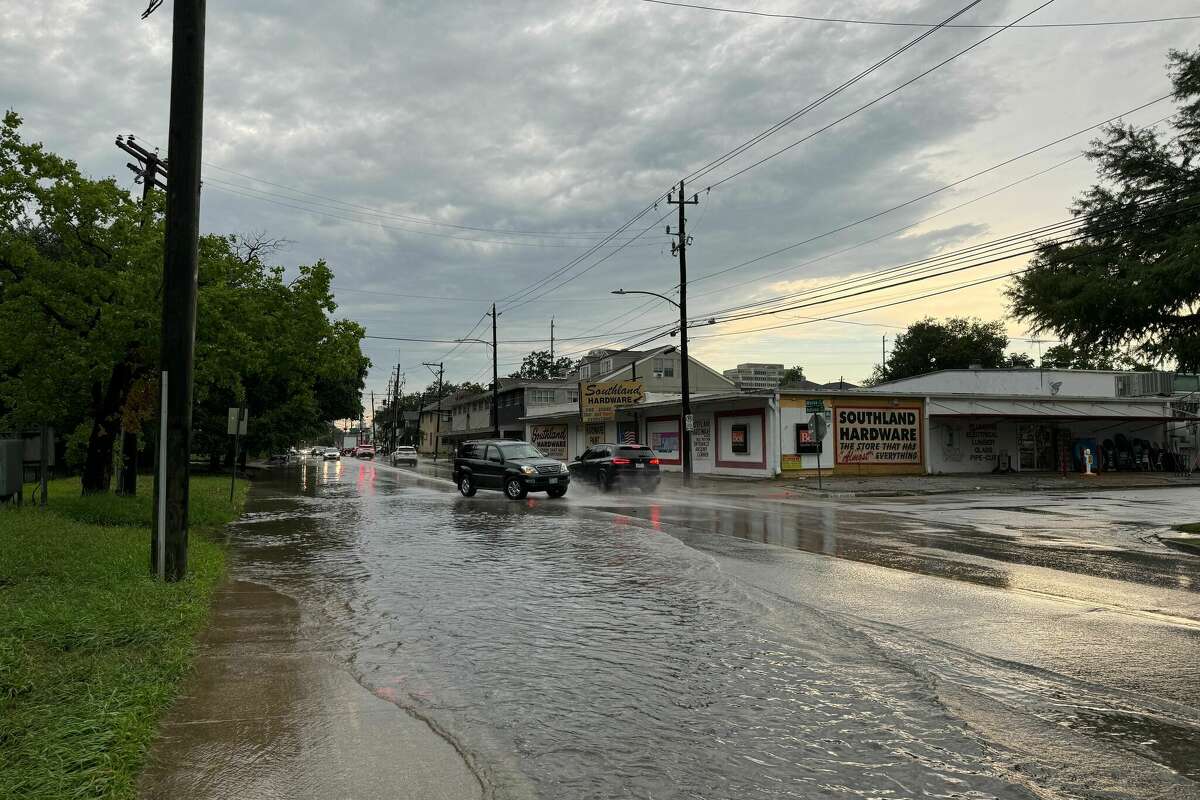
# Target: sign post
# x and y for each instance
(817, 427)
(236, 426)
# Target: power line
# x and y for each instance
(879, 99)
(752, 141)
(933, 193)
(256, 194)
(896, 24)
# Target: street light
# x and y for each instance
(495, 380)
(683, 378)
(652, 294)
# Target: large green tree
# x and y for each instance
(540, 366)
(1131, 283)
(956, 343)
(80, 283)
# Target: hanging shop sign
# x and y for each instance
(878, 435)
(600, 401)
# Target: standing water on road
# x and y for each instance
(573, 653)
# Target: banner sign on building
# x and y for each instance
(599, 401)
(550, 439)
(878, 435)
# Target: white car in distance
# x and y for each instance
(404, 455)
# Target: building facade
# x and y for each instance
(756, 377)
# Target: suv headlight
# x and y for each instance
(528, 470)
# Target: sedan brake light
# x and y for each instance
(655, 461)
(621, 461)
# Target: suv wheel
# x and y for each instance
(604, 481)
(466, 486)
(556, 491)
(515, 489)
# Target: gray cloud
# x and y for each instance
(565, 118)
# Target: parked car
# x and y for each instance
(516, 468)
(404, 455)
(364, 451)
(609, 465)
(332, 454)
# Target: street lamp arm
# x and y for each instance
(652, 294)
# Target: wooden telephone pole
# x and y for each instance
(680, 248)
(169, 545)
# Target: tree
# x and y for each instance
(539, 366)
(1019, 361)
(1131, 282)
(792, 375)
(80, 276)
(957, 343)
(1066, 356)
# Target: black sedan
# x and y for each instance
(609, 465)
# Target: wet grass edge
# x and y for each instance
(93, 650)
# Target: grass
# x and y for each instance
(1191, 527)
(92, 648)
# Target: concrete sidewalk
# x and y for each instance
(267, 713)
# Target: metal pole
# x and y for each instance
(180, 267)
(237, 440)
(495, 379)
(161, 541)
(45, 470)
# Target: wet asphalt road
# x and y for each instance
(691, 646)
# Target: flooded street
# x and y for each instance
(691, 646)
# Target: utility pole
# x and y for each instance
(437, 424)
(372, 417)
(169, 545)
(552, 370)
(883, 363)
(680, 248)
(495, 379)
(397, 414)
(148, 169)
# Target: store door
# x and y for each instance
(1038, 447)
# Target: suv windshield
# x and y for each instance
(520, 450)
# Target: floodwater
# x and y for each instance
(608, 646)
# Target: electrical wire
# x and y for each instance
(896, 24)
(879, 99)
(834, 92)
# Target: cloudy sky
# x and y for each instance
(444, 155)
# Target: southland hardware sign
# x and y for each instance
(878, 435)
(599, 401)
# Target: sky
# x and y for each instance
(444, 156)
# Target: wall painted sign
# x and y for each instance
(878, 435)
(702, 437)
(599, 401)
(981, 439)
(550, 439)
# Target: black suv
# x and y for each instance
(607, 465)
(515, 467)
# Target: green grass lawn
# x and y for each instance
(1191, 527)
(92, 648)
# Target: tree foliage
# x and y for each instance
(1131, 284)
(80, 316)
(956, 343)
(792, 375)
(539, 366)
